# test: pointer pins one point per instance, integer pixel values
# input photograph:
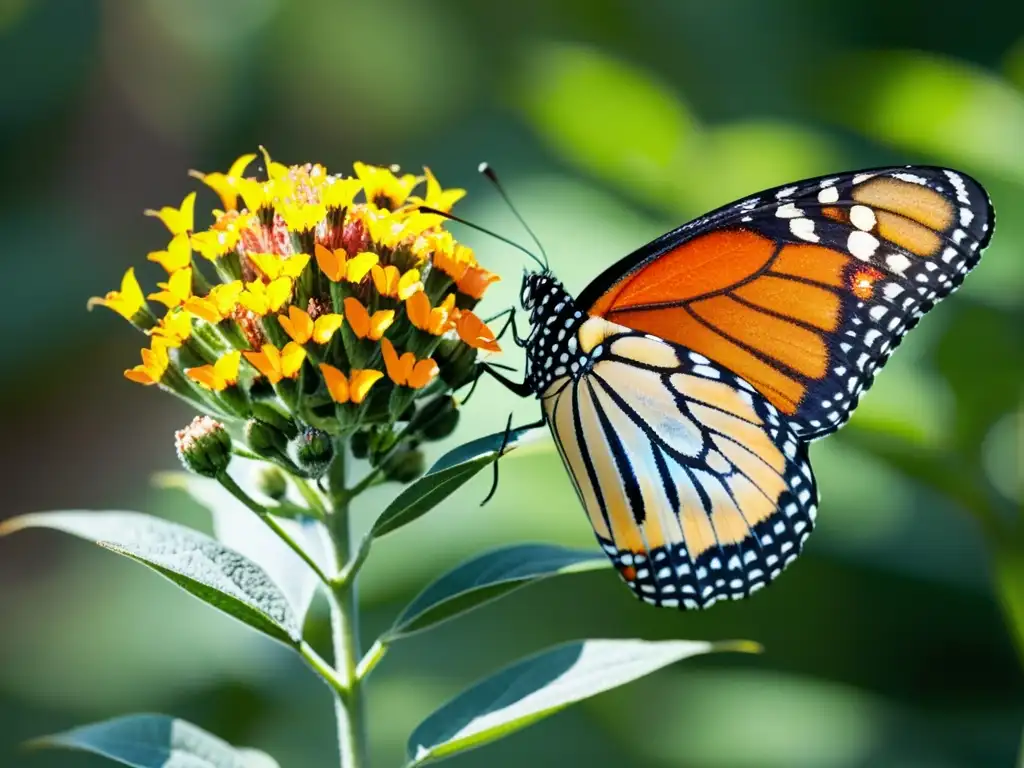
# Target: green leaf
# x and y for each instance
(449, 473)
(201, 566)
(488, 577)
(155, 741)
(541, 685)
(609, 118)
(236, 526)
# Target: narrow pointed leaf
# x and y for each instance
(155, 741)
(488, 577)
(449, 473)
(201, 566)
(541, 685)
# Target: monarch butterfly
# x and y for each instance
(683, 385)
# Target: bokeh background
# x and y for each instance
(894, 641)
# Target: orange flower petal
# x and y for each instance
(423, 372)
(337, 384)
(331, 263)
(385, 279)
(357, 316)
(297, 324)
(417, 307)
(396, 367)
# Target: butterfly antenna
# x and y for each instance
(487, 171)
(478, 228)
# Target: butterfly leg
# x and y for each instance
(501, 451)
(510, 322)
(520, 388)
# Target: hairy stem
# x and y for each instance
(348, 706)
(264, 514)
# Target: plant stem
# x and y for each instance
(348, 706)
(263, 514)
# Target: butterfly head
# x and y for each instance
(537, 285)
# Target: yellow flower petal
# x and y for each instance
(174, 328)
(126, 302)
(359, 266)
(338, 193)
(228, 365)
(380, 322)
(180, 219)
(225, 184)
(291, 359)
(154, 362)
(409, 284)
(177, 256)
(278, 292)
(360, 383)
(325, 327)
(176, 290)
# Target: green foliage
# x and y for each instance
(205, 568)
(488, 577)
(155, 741)
(540, 686)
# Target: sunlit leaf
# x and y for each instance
(239, 528)
(449, 473)
(488, 577)
(201, 566)
(941, 107)
(541, 685)
(613, 120)
(155, 741)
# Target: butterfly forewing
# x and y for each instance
(805, 290)
(693, 482)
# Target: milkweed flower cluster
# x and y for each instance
(314, 301)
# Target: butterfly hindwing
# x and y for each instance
(805, 290)
(694, 484)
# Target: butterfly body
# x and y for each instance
(683, 385)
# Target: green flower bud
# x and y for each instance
(437, 419)
(204, 446)
(314, 450)
(273, 415)
(271, 482)
(405, 466)
(457, 362)
(265, 440)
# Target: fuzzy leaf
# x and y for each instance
(201, 566)
(239, 528)
(155, 741)
(488, 577)
(541, 685)
(449, 473)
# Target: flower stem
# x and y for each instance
(348, 706)
(263, 514)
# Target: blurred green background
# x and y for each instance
(888, 644)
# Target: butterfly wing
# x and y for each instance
(694, 485)
(805, 290)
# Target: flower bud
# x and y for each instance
(204, 446)
(457, 362)
(437, 419)
(405, 466)
(314, 451)
(265, 440)
(271, 482)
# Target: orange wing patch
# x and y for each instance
(764, 318)
(705, 265)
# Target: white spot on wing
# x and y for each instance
(862, 245)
